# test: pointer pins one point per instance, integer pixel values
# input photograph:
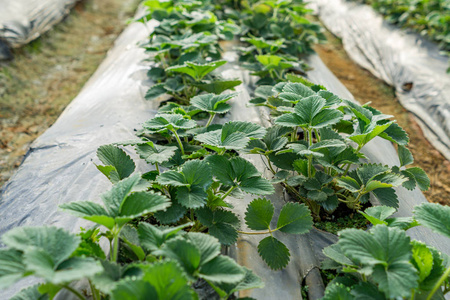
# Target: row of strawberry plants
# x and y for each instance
(202, 168)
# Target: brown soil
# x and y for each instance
(48, 73)
(365, 87)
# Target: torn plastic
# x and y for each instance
(59, 167)
(403, 59)
(22, 21)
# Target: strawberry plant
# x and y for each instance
(384, 263)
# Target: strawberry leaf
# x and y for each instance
(259, 214)
(213, 103)
(274, 253)
(295, 218)
(434, 216)
(112, 156)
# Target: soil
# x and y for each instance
(48, 73)
(365, 87)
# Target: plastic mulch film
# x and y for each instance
(401, 58)
(60, 166)
(22, 21)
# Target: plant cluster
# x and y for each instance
(165, 227)
(428, 17)
(384, 263)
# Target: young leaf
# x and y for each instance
(169, 121)
(295, 218)
(422, 259)
(197, 71)
(112, 156)
(274, 253)
(169, 281)
(133, 289)
(211, 103)
(434, 216)
(378, 214)
(259, 214)
(152, 238)
(155, 154)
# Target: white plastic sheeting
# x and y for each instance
(22, 21)
(398, 57)
(59, 167)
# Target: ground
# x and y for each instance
(48, 73)
(366, 88)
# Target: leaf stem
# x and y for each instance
(228, 192)
(179, 141)
(75, 292)
(270, 165)
(157, 168)
(259, 232)
(115, 250)
(439, 283)
(94, 291)
(211, 118)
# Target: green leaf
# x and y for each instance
(221, 269)
(56, 242)
(250, 281)
(434, 216)
(172, 178)
(90, 211)
(123, 165)
(169, 281)
(367, 291)
(336, 253)
(421, 178)
(152, 238)
(337, 292)
(218, 86)
(395, 134)
(183, 251)
(30, 293)
(193, 197)
(213, 103)
(197, 71)
(208, 245)
(405, 156)
(11, 267)
(249, 129)
(370, 133)
(235, 140)
(114, 198)
(422, 259)
(141, 203)
(368, 171)
(259, 214)
(155, 154)
(169, 121)
(388, 252)
(386, 196)
(155, 91)
(197, 172)
(349, 183)
(377, 214)
(299, 89)
(274, 253)
(221, 224)
(134, 289)
(295, 218)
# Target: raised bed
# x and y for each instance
(60, 166)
